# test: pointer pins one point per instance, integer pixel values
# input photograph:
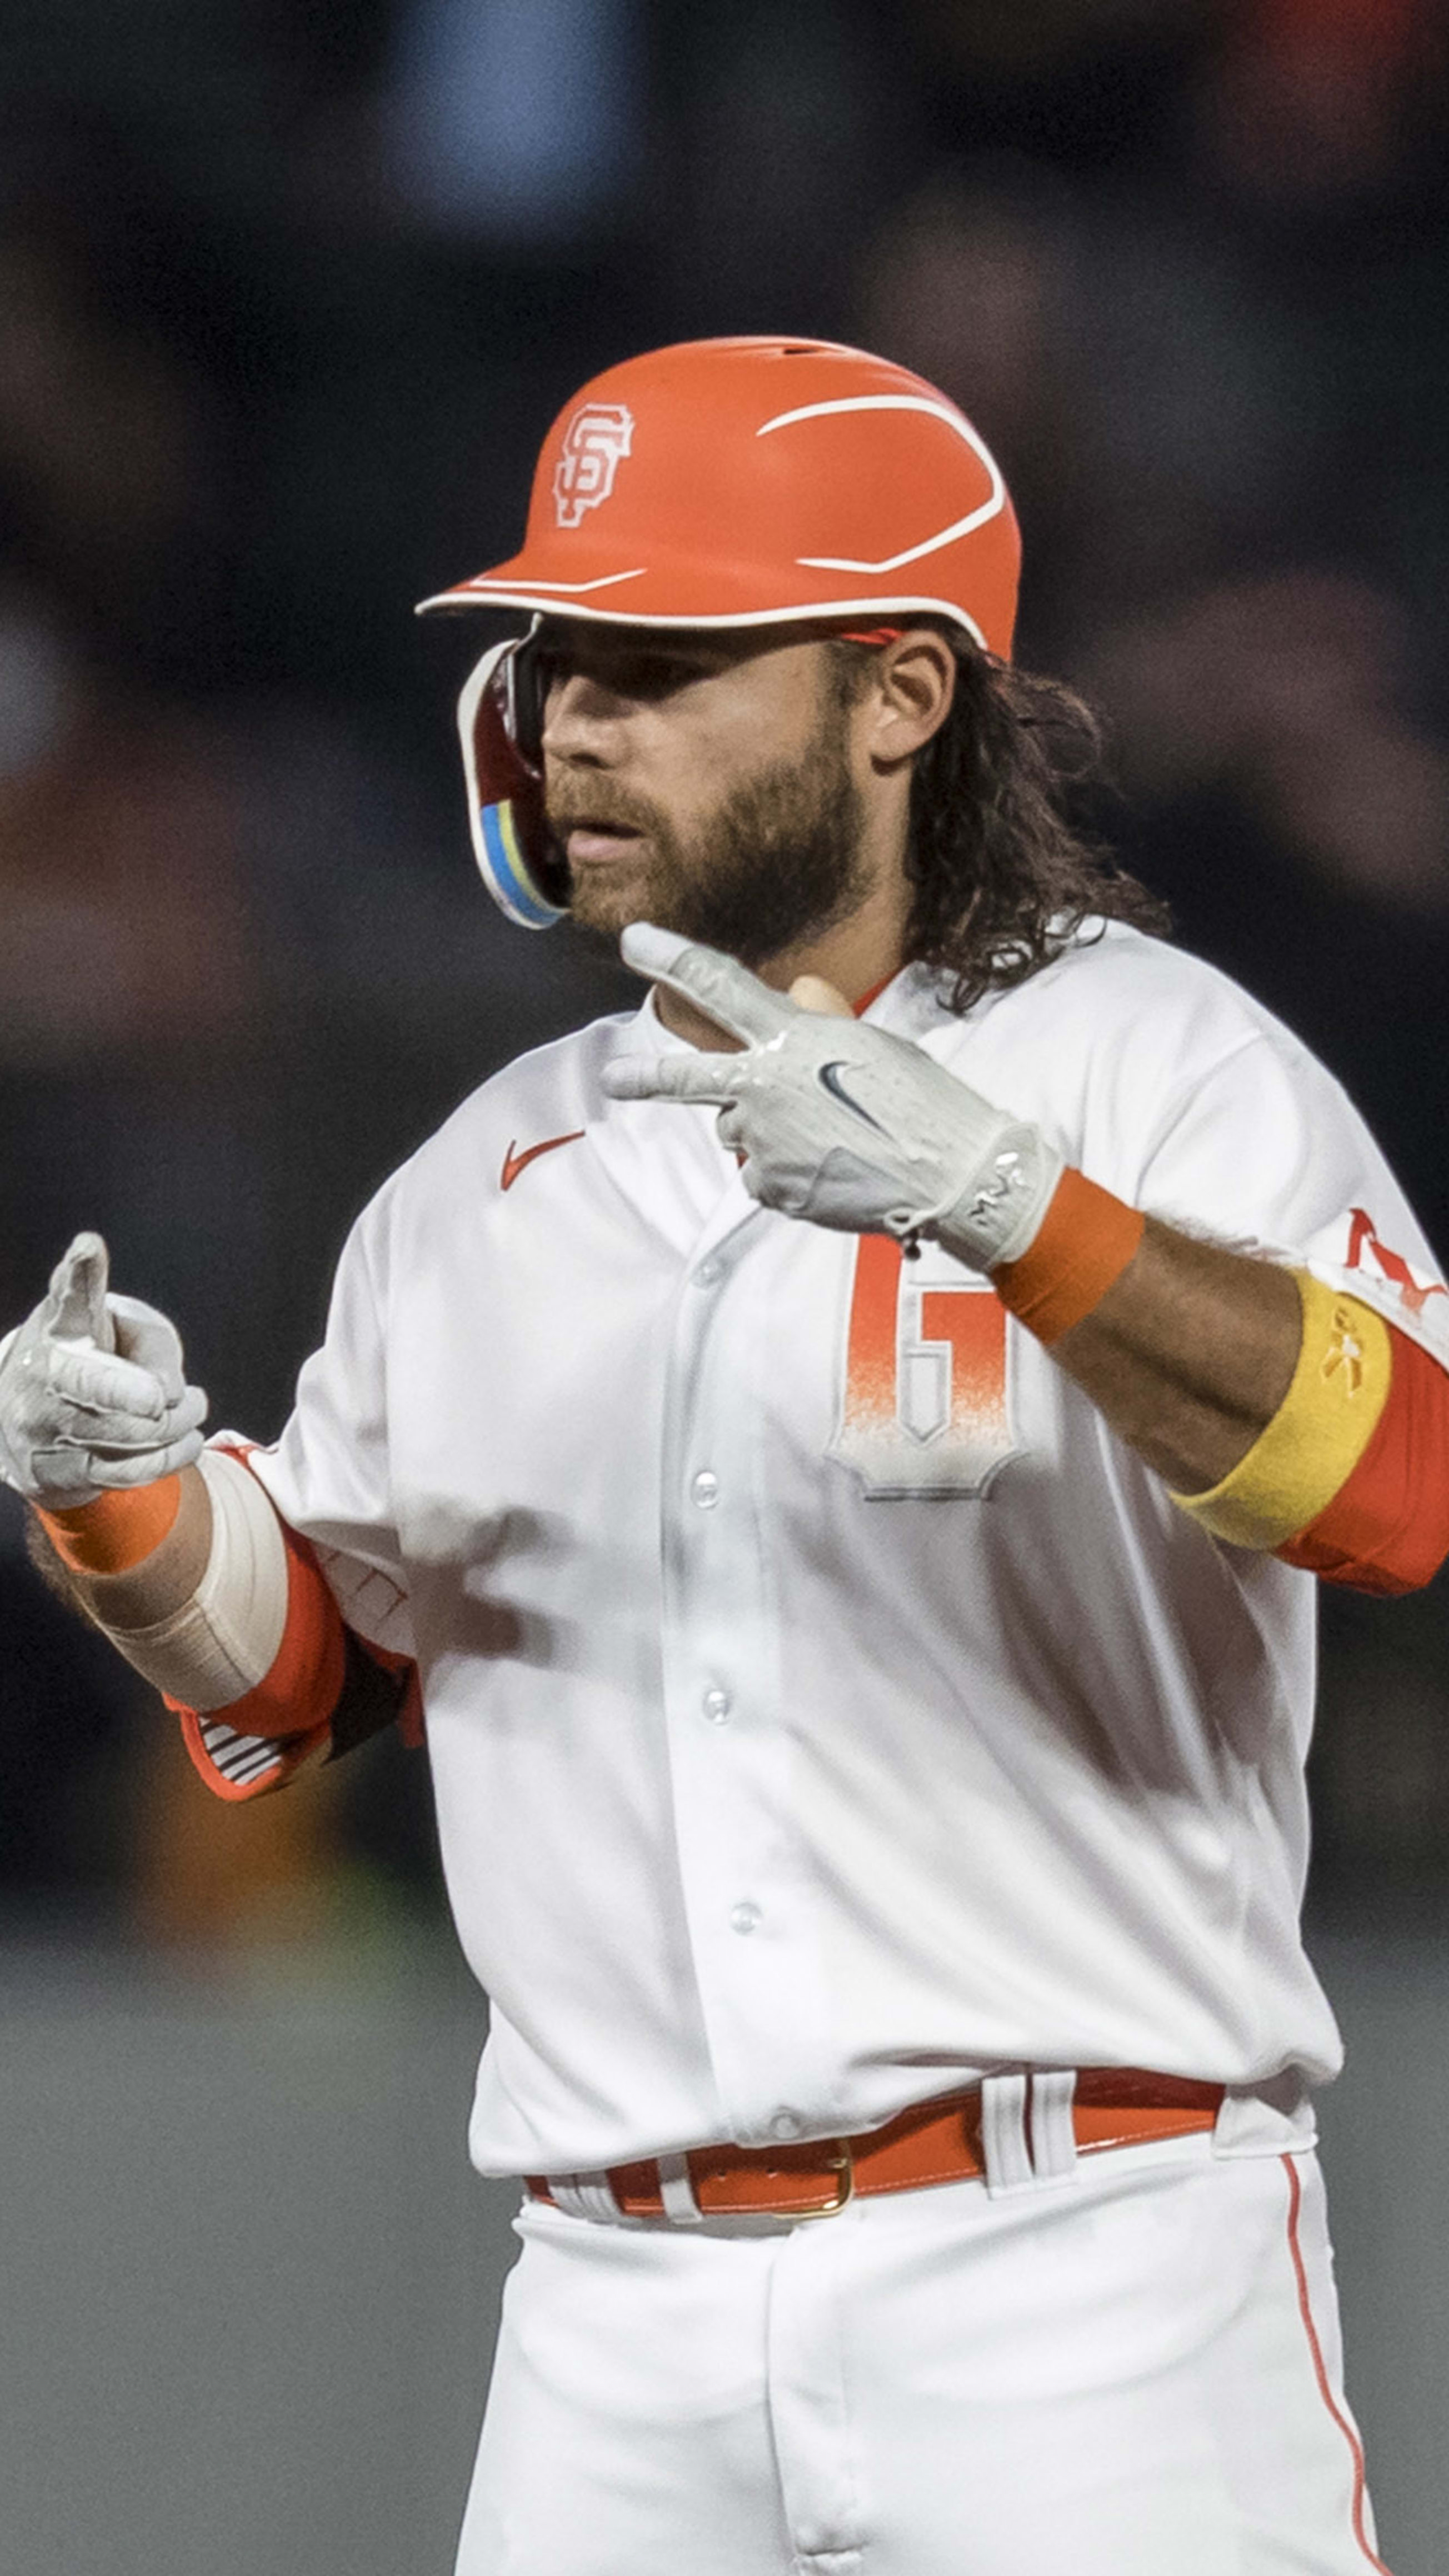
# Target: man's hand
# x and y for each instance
(1187, 1354)
(92, 1391)
(838, 1123)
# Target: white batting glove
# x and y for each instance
(839, 1123)
(93, 1395)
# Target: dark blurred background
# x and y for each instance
(288, 296)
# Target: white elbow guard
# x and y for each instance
(225, 1639)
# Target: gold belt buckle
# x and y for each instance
(842, 2164)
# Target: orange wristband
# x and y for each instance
(117, 1531)
(1086, 1240)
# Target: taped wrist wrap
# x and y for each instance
(1082, 1246)
(117, 1531)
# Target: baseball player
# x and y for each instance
(837, 1462)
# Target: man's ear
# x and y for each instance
(910, 697)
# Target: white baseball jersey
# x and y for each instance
(823, 1705)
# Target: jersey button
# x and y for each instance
(743, 1918)
(704, 1491)
(716, 1705)
(709, 1274)
(785, 2124)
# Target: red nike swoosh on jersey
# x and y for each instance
(514, 1162)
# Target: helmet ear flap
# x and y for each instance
(499, 730)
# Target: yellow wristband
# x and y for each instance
(1319, 1432)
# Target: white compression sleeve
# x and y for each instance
(224, 1640)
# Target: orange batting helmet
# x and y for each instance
(745, 482)
(750, 482)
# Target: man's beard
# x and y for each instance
(779, 862)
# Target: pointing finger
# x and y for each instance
(718, 985)
(712, 1078)
(77, 1299)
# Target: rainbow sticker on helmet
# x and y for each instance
(506, 874)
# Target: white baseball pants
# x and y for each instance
(1135, 2372)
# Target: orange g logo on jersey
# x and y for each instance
(926, 1406)
(596, 439)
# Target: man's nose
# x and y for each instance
(581, 718)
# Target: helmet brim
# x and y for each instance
(638, 596)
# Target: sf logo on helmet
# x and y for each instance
(595, 439)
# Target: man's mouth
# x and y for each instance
(594, 844)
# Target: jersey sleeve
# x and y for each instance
(1266, 1154)
(346, 1667)
(1263, 1151)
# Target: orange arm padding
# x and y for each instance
(1387, 1527)
(259, 1741)
(300, 1688)
(313, 1703)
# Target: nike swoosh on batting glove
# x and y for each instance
(842, 1124)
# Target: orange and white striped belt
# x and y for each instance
(935, 2142)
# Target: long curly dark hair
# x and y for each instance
(1003, 876)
